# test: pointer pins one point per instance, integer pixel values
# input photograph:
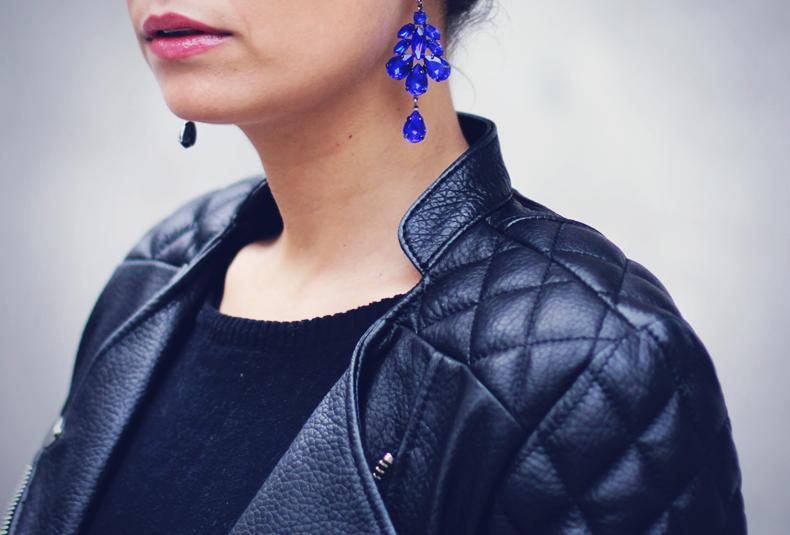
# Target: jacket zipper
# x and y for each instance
(381, 466)
(14, 503)
(54, 433)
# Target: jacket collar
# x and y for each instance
(471, 186)
(120, 372)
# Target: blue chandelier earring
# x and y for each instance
(423, 40)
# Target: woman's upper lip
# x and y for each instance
(174, 21)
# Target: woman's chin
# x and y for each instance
(219, 103)
(227, 110)
(204, 111)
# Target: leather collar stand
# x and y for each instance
(323, 476)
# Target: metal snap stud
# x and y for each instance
(55, 431)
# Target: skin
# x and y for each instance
(305, 82)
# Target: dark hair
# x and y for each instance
(461, 14)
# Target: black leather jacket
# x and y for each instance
(535, 381)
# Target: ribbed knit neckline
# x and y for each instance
(254, 334)
(260, 333)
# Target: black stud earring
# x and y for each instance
(188, 134)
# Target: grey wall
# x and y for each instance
(662, 124)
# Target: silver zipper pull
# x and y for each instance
(382, 465)
(54, 431)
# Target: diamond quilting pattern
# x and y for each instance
(619, 404)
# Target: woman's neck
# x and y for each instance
(343, 176)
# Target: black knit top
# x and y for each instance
(219, 415)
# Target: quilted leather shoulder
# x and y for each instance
(574, 258)
(624, 425)
(175, 238)
(527, 276)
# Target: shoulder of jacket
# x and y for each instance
(574, 271)
(587, 352)
(538, 276)
(529, 293)
(182, 232)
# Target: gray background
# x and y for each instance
(662, 124)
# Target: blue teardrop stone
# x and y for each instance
(437, 68)
(406, 31)
(414, 128)
(401, 47)
(418, 46)
(420, 17)
(436, 48)
(432, 32)
(398, 67)
(417, 81)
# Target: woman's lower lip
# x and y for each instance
(186, 45)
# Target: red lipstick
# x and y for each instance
(174, 36)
